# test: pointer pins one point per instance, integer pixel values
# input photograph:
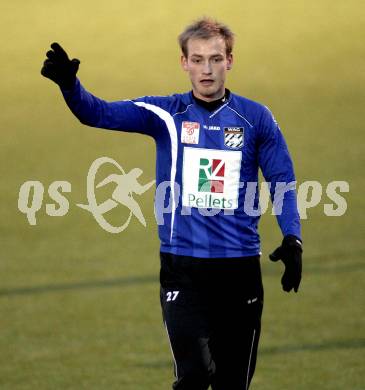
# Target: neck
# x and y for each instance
(212, 105)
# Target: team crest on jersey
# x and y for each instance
(190, 132)
(233, 137)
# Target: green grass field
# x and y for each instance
(79, 307)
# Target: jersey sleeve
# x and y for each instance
(124, 115)
(277, 168)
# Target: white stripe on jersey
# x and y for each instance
(170, 124)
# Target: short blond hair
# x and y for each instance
(206, 28)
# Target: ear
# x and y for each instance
(184, 62)
(229, 61)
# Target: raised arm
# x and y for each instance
(122, 115)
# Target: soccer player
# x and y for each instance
(210, 145)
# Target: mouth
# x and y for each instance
(207, 82)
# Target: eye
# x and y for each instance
(196, 60)
(217, 59)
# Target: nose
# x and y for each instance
(207, 68)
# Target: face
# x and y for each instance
(207, 64)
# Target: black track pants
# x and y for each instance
(212, 313)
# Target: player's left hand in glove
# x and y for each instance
(59, 68)
(290, 252)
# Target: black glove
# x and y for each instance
(290, 252)
(59, 68)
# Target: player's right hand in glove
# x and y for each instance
(290, 252)
(59, 68)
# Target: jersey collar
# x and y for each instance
(213, 105)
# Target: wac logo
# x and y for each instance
(211, 175)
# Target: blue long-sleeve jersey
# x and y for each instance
(205, 162)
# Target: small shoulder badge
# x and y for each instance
(233, 137)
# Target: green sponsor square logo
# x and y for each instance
(211, 178)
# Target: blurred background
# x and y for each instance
(79, 307)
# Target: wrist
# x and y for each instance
(67, 85)
(291, 240)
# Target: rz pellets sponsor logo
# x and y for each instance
(211, 183)
(211, 178)
(211, 175)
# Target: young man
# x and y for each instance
(210, 145)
